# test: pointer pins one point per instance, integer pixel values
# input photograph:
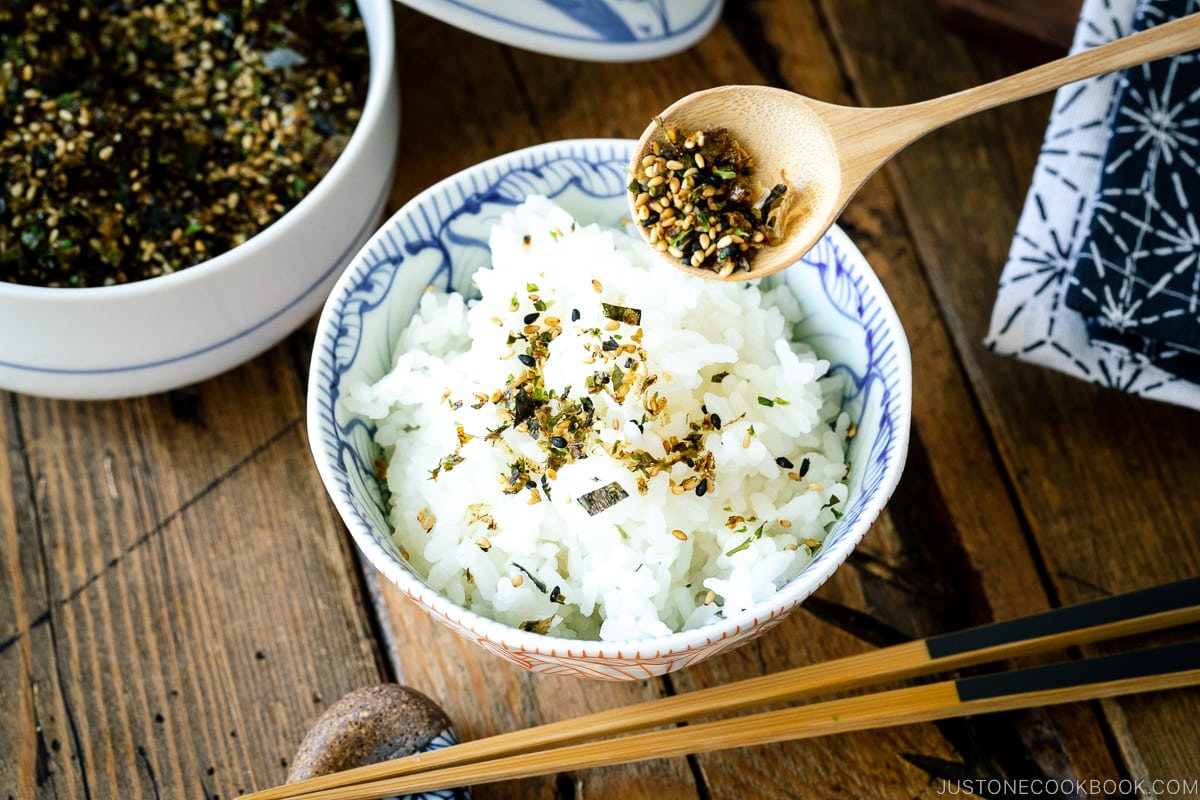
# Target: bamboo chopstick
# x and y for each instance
(1120, 615)
(1150, 669)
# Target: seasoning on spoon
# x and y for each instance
(696, 195)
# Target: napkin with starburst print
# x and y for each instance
(1103, 280)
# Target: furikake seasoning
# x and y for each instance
(696, 195)
(565, 424)
(141, 138)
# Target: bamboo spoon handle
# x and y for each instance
(869, 136)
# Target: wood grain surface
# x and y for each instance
(179, 601)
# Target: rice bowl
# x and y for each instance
(439, 241)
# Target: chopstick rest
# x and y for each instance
(370, 725)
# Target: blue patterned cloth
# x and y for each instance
(1137, 279)
(1102, 280)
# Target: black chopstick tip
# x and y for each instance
(1144, 663)
(1129, 605)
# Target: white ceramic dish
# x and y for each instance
(173, 330)
(440, 238)
(588, 30)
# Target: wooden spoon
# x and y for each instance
(827, 152)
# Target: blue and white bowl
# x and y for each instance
(588, 30)
(440, 238)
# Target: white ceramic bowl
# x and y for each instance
(173, 330)
(599, 30)
(440, 238)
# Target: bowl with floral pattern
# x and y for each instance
(438, 241)
(588, 30)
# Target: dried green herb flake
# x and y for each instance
(598, 500)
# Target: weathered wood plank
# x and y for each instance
(188, 603)
(31, 689)
(1033, 30)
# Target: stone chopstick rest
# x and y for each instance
(370, 725)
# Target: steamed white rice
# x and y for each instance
(530, 546)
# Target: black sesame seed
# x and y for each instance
(532, 317)
(803, 468)
(558, 441)
(784, 463)
(716, 421)
(702, 487)
(530, 484)
(575, 315)
(526, 359)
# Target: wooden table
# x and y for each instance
(179, 601)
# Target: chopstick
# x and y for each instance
(1150, 669)
(1121, 615)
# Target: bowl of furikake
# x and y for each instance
(182, 185)
(583, 459)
